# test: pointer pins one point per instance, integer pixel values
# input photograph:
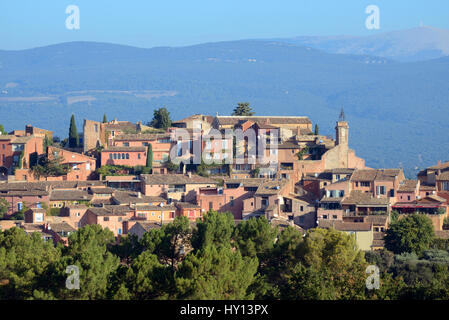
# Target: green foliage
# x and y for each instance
(394, 216)
(255, 173)
(4, 205)
(2, 129)
(243, 109)
(73, 134)
(161, 119)
(88, 251)
(216, 229)
(302, 153)
(446, 223)
(48, 141)
(331, 266)
(216, 273)
(20, 163)
(47, 167)
(105, 119)
(172, 167)
(317, 130)
(214, 260)
(413, 233)
(150, 157)
(23, 259)
(255, 237)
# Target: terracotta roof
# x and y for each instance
(443, 165)
(342, 171)
(363, 198)
(344, 226)
(408, 186)
(125, 197)
(110, 210)
(250, 182)
(443, 176)
(379, 220)
(102, 190)
(147, 226)
(61, 227)
(44, 185)
(23, 139)
(70, 195)
(271, 187)
(287, 145)
(375, 174)
(154, 208)
(187, 205)
(122, 178)
(23, 193)
(208, 119)
(427, 188)
(164, 179)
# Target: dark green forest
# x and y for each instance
(218, 259)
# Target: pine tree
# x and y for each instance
(161, 119)
(73, 134)
(243, 109)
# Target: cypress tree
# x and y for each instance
(150, 157)
(73, 134)
(104, 118)
(316, 130)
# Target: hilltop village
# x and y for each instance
(122, 176)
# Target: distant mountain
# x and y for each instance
(397, 112)
(415, 44)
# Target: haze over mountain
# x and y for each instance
(397, 112)
(417, 44)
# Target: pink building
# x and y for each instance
(124, 156)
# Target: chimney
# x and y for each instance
(190, 174)
(139, 194)
(439, 162)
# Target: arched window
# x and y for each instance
(127, 156)
(115, 155)
(123, 156)
(118, 156)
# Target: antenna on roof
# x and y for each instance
(342, 115)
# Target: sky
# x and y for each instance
(148, 23)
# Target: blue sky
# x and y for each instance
(149, 23)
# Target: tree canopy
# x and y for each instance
(413, 233)
(73, 134)
(161, 119)
(243, 109)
